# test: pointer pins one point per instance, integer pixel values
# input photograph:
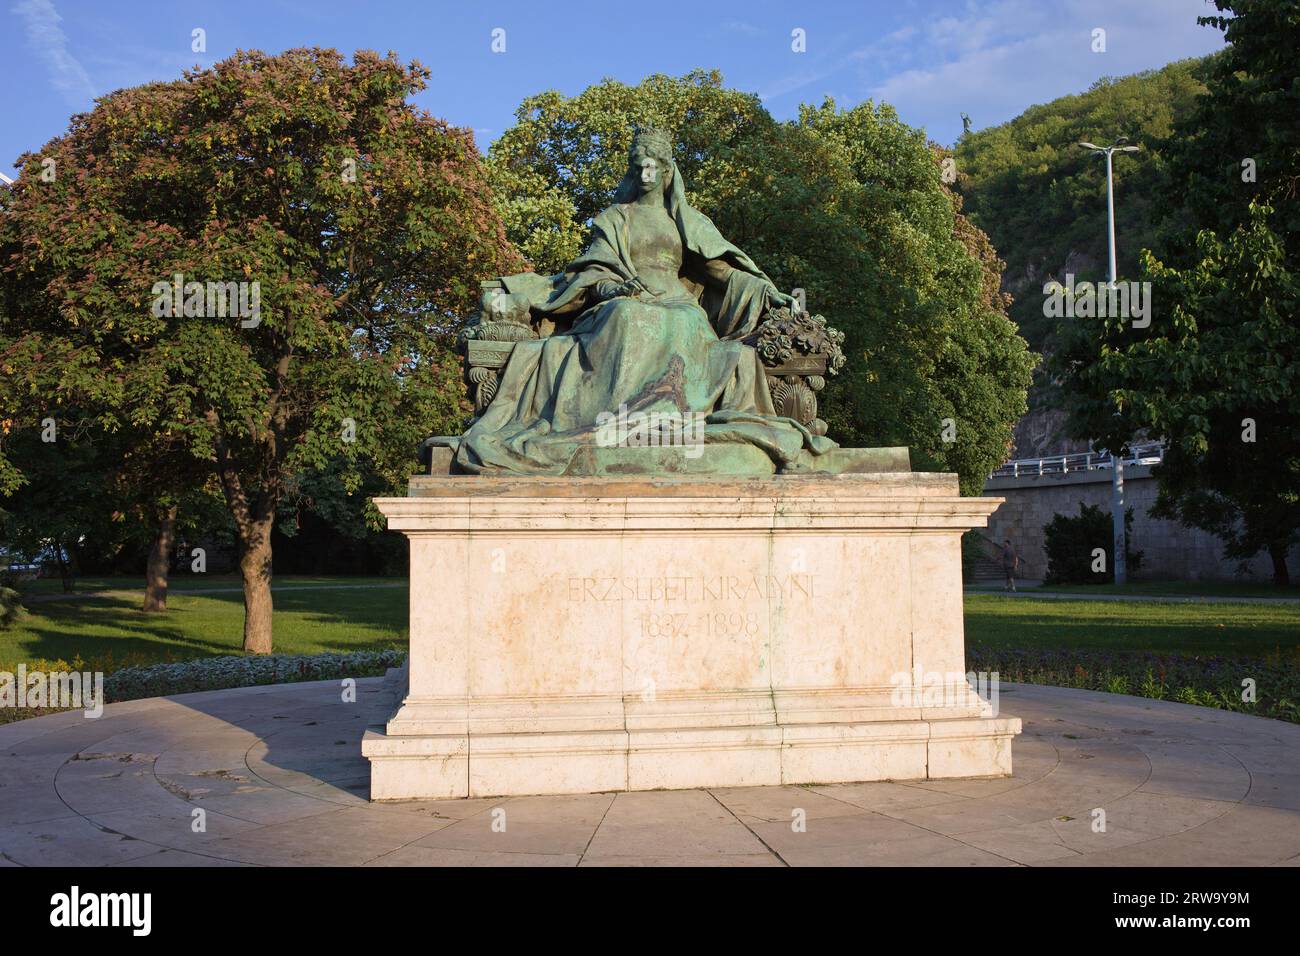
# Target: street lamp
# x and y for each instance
(1120, 550)
(1110, 191)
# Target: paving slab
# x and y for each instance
(1100, 780)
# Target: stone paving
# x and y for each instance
(278, 774)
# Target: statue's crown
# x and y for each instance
(654, 139)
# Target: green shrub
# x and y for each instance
(11, 608)
(1072, 540)
(218, 673)
(137, 681)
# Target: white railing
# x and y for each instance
(1150, 453)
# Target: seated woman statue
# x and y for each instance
(658, 302)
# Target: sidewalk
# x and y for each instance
(277, 771)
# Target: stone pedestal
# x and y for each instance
(571, 635)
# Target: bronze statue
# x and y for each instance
(655, 321)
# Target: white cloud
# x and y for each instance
(1007, 56)
(47, 39)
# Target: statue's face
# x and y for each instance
(649, 170)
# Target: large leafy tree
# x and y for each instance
(847, 205)
(1217, 373)
(365, 222)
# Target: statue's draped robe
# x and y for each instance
(677, 354)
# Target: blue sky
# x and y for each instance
(932, 59)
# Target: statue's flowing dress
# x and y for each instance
(676, 352)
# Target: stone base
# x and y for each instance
(572, 635)
(431, 767)
(733, 459)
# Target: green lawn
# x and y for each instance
(1224, 589)
(1221, 629)
(111, 631)
(1241, 657)
(188, 582)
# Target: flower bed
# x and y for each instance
(1207, 681)
(217, 673)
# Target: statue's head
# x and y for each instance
(650, 160)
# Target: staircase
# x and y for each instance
(987, 571)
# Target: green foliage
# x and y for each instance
(1042, 198)
(1209, 681)
(220, 673)
(1117, 684)
(95, 495)
(845, 204)
(1251, 110)
(366, 223)
(1217, 373)
(125, 681)
(11, 607)
(973, 549)
(62, 502)
(1072, 540)
(313, 615)
(237, 173)
(537, 215)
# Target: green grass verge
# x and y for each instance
(189, 582)
(1192, 653)
(1224, 589)
(1219, 629)
(110, 632)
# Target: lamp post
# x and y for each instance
(1116, 457)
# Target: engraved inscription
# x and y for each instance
(717, 624)
(670, 589)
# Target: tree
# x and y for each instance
(847, 205)
(1217, 373)
(350, 228)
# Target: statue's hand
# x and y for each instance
(609, 289)
(781, 300)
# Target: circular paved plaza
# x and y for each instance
(278, 776)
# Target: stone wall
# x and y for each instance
(1169, 550)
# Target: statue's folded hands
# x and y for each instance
(607, 289)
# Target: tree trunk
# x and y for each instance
(255, 566)
(254, 519)
(1281, 577)
(65, 571)
(160, 559)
